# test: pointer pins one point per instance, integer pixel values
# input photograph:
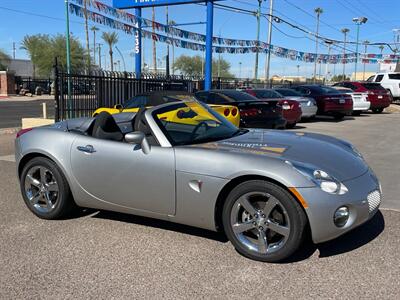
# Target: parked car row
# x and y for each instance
(274, 108)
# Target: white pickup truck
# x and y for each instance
(390, 81)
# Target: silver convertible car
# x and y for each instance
(184, 163)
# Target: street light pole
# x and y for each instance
(365, 54)
(258, 15)
(358, 21)
(269, 39)
(318, 11)
(329, 43)
(68, 49)
(345, 31)
(240, 69)
(167, 56)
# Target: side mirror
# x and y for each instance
(119, 107)
(138, 138)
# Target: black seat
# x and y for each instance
(106, 128)
(141, 125)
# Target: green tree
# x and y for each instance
(338, 78)
(42, 50)
(192, 66)
(111, 38)
(36, 46)
(4, 59)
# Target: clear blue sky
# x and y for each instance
(383, 16)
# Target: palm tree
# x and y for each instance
(94, 29)
(172, 23)
(4, 59)
(85, 14)
(111, 38)
(33, 45)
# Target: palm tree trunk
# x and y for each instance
(111, 59)
(94, 46)
(173, 59)
(85, 13)
(154, 42)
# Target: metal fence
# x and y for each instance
(106, 89)
(30, 84)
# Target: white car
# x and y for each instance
(360, 100)
(390, 81)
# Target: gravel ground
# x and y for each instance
(110, 255)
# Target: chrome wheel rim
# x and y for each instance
(260, 222)
(41, 189)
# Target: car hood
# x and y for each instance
(330, 154)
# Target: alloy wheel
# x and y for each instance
(41, 189)
(260, 222)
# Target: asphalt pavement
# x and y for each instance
(99, 254)
(11, 112)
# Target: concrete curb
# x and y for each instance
(12, 130)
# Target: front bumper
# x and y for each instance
(362, 105)
(309, 111)
(362, 199)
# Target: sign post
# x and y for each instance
(139, 4)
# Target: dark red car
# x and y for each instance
(379, 97)
(291, 110)
(329, 100)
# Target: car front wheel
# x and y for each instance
(45, 189)
(263, 221)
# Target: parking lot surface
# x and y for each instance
(111, 255)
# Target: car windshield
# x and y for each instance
(288, 92)
(372, 86)
(238, 96)
(327, 90)
(192, 122)
(266, 94)
(157, 99)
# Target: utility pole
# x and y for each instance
(240, 69)
(318, 11)
(396, 33)
(344, 31)
(269, 39)
(154, 42)
(298, 72)
(14, 50)
(329, 43)
(358, 21)
(99, 49)
(258, 15)
(381, 47)
(167, 56)
(365, 55)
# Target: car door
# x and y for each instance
(121, 174)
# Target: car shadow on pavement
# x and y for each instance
(348, 242)
(165, 225)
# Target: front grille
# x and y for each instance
(374, 200)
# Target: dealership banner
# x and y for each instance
(178, 38)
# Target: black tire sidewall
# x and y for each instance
(296, 216)
(63, 202)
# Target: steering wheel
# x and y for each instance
(198, 126)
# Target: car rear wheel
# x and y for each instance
(263, 221)
(338, 116)
(377, 110)
(45, 189)
(291, 125)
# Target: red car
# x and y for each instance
(329, 100)
(379, 97)
(291, 110)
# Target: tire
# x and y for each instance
(338, 117)
(45, 190)
(356, 113)
(286, 212)
(291, 125)
(377, 110)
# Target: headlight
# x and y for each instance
(326, 182)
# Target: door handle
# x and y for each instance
(86, 149)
